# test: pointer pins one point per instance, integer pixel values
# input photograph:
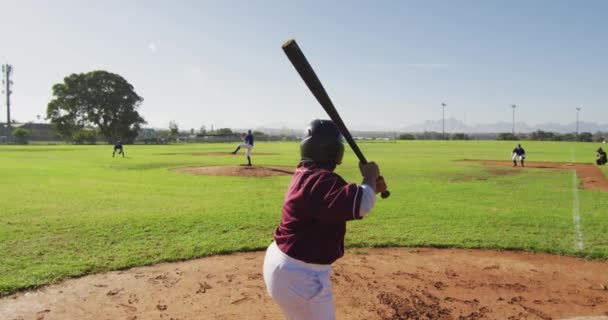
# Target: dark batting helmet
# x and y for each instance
(322, 143)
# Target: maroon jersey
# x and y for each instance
(316, 208)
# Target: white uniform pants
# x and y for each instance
(302, 290)
(246, 146)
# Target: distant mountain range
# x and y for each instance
(451, 126)
(454, 126)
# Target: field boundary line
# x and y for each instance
(576, 214)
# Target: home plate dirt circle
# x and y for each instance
(382, 283)
(239, 171)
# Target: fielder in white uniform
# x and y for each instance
(518, 153)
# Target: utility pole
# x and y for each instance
(443, 105)
(513, 106)
(7, 71)
(577, 111)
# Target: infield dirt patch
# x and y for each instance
(589, 174)
(240, 171)
(202, 154)
(387, 283)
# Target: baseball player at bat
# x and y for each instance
(310, 236)
(247, 144)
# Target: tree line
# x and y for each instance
(100, 105)
(95, 104)
(538, 135)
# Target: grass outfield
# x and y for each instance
(72, 210)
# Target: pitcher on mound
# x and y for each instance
(247, 144)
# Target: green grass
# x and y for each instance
(72, 210)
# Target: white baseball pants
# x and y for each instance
(246, 146)
(302, 290)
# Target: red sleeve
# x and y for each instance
(339, 201)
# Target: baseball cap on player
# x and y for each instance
(322, 143)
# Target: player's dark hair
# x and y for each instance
(322, 144)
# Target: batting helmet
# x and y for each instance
(323, 143)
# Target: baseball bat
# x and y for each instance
(307, 73)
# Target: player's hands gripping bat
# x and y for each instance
(381, 185)
(297, 58)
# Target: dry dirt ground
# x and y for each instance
(204, 154)
(590, 175)
(241, 171)
(387, 283)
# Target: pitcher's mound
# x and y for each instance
(203, 154)
(240, 171)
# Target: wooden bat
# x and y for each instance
(297, 58)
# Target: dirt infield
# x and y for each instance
(590, 175)
(241, 171)
(389, 283)
(203, 154)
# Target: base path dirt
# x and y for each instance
(387, 283)
(204, 154)
(589, 174)
(240, 171)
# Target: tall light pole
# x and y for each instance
(577, 111)
(443, 105)
(513, 106)
(7, 71)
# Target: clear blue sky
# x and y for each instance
(386, 64)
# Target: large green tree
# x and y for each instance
(99, 99)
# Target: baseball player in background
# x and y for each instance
(247, 144)
(310, 236)
(118, 147)
(518, 153)
(602, 159)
